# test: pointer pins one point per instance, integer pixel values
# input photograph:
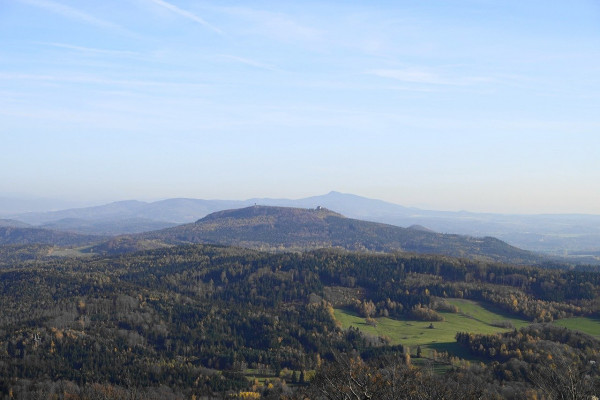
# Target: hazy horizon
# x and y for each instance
(32, 204)
(454, 105)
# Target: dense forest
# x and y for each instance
(11, 235)
(196, 320)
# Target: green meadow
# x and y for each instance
(588, 325)
(472, 317)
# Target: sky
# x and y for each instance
(478, 105)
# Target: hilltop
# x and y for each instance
(286, 228)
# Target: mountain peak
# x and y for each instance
(256, 211)
(298, 229)
(334, 193)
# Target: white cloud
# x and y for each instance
(74, 14)
(98, 80)
(274, 25)
(425, 76)
(186, 14)
(93, 50)
(246, 61)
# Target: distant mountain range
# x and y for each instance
(107, 227)
(284, 228)
(172, 211)
(569, 234)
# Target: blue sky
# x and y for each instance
(477, 105)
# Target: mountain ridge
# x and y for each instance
(260, 210)
(298, 229)
(556, 234)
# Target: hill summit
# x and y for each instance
(290, 214)
(299, 229)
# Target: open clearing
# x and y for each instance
(472, 317)
(588, 325)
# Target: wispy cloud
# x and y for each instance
(425, 76)
(246, 61)
(74, 14)
(275, 25)
(186, 14)
(92, 50)
(97, 80)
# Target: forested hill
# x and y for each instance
(284, 228)
(13, 223)
(15, 235)
(201, 320)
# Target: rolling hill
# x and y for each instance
(559, 235)
(25, 236)
(285, 228)
(13, 223)
(107, 227)
(176, 211)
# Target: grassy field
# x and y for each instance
(70, 252)
(472, 317)
(486, 313)
(268, 376)
(588, 325)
